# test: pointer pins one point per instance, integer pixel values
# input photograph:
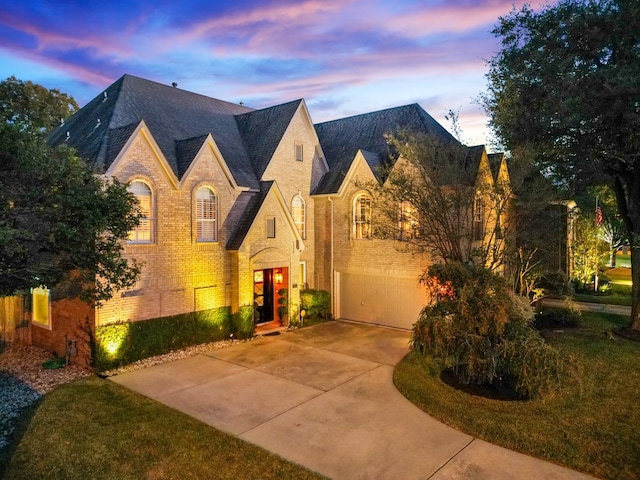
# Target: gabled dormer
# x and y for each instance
(283, 146)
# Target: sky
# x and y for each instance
(343, 57)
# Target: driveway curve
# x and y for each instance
(323, 397)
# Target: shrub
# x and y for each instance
(242, 322)
(556, 283)
(483, 331)
(316, 304)
(119, 344)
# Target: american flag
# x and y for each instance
(598, 216)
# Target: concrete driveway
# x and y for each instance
(323, 397)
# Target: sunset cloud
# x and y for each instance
(343, 57)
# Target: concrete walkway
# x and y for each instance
(323, 397)
(588, 306)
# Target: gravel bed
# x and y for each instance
(171, 356)
(23, 380)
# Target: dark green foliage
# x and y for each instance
(242, 322)
(283, 304)
(484, 332)
(58, 220)
(556, 283)
(123, 343)
(29, 106)
(564, 86)
(316, 304)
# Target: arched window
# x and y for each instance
(298, 212)
(362, 216)
(206, 215)
(143, 233)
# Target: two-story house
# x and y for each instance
(240, 203)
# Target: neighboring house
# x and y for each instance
(239, 203)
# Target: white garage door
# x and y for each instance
(382, 300)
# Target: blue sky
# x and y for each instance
(343, 57)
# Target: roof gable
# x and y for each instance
(262, 131)
(252, 212)
(141, 132)
(194, 149)
(172, 115)
(342, 139)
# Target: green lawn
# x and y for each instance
(591, 425)
(96, 429)
(623, 261)
(620, 293)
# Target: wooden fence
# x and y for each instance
(14, 326)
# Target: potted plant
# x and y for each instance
(282, 305)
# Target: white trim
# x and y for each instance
(143, 131)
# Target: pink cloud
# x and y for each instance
(269, 17)
(447, 18)
(52, 40)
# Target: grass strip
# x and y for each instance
(590, 426)
(97, 429)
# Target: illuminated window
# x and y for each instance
(41, 307)
(143, 233)
(271, 227)
(298, 213)
(362, 217)
(206, 215)
(408, 222)
(478, 218)
(303, 274)
(299, 152)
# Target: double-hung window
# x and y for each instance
(206, 215)
(143, 233)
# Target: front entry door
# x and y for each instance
(263, 295)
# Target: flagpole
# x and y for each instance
(598, 222)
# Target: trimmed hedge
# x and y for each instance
(119, 344)
(316, 304)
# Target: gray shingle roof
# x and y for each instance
(172, 115)
(186, 151)
(249, 215)
(495, 160)
(341, 139)
(262, 131)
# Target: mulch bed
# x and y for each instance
(498, 391)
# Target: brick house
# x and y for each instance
(240, 203)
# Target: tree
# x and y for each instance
(429, 199)
(31, 107)
(611, 230)
(60, 224)
(476, 326)
(565, 86)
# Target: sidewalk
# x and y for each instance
(588, 307)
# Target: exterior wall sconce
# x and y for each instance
(277, 277)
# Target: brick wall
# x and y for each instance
(71, 319)
(384, 257)
(294, 177)
(178, 274)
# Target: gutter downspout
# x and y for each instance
(333, 296)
